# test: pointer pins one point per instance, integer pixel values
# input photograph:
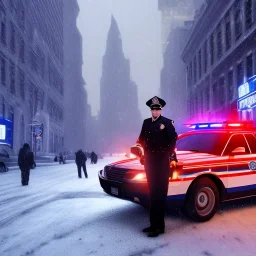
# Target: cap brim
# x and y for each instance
(155, 108)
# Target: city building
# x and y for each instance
(76, 108)
(174, 14)
(31, 73)
(173, 76)
(220, 58)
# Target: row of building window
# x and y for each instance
(55, 111)
(201, 99)
(56, 143)
(15, 75)
(6, 111)
(221, 39)
(36, 58)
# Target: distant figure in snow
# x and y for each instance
(81, 162)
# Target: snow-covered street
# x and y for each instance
(59, 214)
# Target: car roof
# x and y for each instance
(231, 131)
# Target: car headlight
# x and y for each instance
(103, 173)
(140, 177)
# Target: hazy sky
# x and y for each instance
(139, 22)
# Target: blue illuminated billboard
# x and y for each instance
(6, 132)
(247, 94)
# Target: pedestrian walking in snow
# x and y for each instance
(81, 163)
(25, 162)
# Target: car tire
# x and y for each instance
(3, 167)
(202, 200)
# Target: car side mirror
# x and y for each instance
(238, 151)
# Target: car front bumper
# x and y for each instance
(133, 191)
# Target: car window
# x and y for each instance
(211, 143)
(236, 141)
(252, 142)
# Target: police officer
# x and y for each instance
(158, 138)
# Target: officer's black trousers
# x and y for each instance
(157, 168)
(25, 172)
(79, 166)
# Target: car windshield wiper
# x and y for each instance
(193, 150)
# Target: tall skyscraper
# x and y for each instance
(119, 114)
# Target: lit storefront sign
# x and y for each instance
(243, 90)
(248, 102)
(6, 132)
(247, 94)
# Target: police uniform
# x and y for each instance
(158, 138)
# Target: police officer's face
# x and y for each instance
(156, 113)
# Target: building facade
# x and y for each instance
(174, 14)
(31, 72)
(76, 108)
(173, 76)
(220, 56)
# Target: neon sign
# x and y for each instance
(243, 90)
(6, 132)
(248, 102)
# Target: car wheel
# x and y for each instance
(3, 167)
(203, 200)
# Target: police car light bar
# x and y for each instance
(242, 124)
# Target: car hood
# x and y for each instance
(133, 164)
(186, 158)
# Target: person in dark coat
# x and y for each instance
(81, 162)
(25, 162)
(158, 138)
(94, 158)
(61, 158)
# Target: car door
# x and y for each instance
(251, 139)
(240, 182)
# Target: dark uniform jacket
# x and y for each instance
(158, 135)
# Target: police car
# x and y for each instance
(216, 163)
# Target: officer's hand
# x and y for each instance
(142, 160)
(173, 164)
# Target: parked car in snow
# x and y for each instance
(216, 163)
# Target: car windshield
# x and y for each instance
(211, 143)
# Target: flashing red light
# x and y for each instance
(235, 125)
